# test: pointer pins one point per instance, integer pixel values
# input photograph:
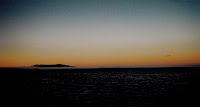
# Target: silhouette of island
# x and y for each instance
(53, 65)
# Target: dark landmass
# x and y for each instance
(55, 65)
(110, 87)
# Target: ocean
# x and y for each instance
(100, 87)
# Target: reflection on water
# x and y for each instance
(113, 86)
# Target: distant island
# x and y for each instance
(54, 65)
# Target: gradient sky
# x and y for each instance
(100, 32)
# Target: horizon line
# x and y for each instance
(174, 66)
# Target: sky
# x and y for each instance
(100, 32)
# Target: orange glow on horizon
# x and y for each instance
(142, 61)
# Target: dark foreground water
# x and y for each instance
(100, 87)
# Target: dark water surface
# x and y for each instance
(100, 87)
